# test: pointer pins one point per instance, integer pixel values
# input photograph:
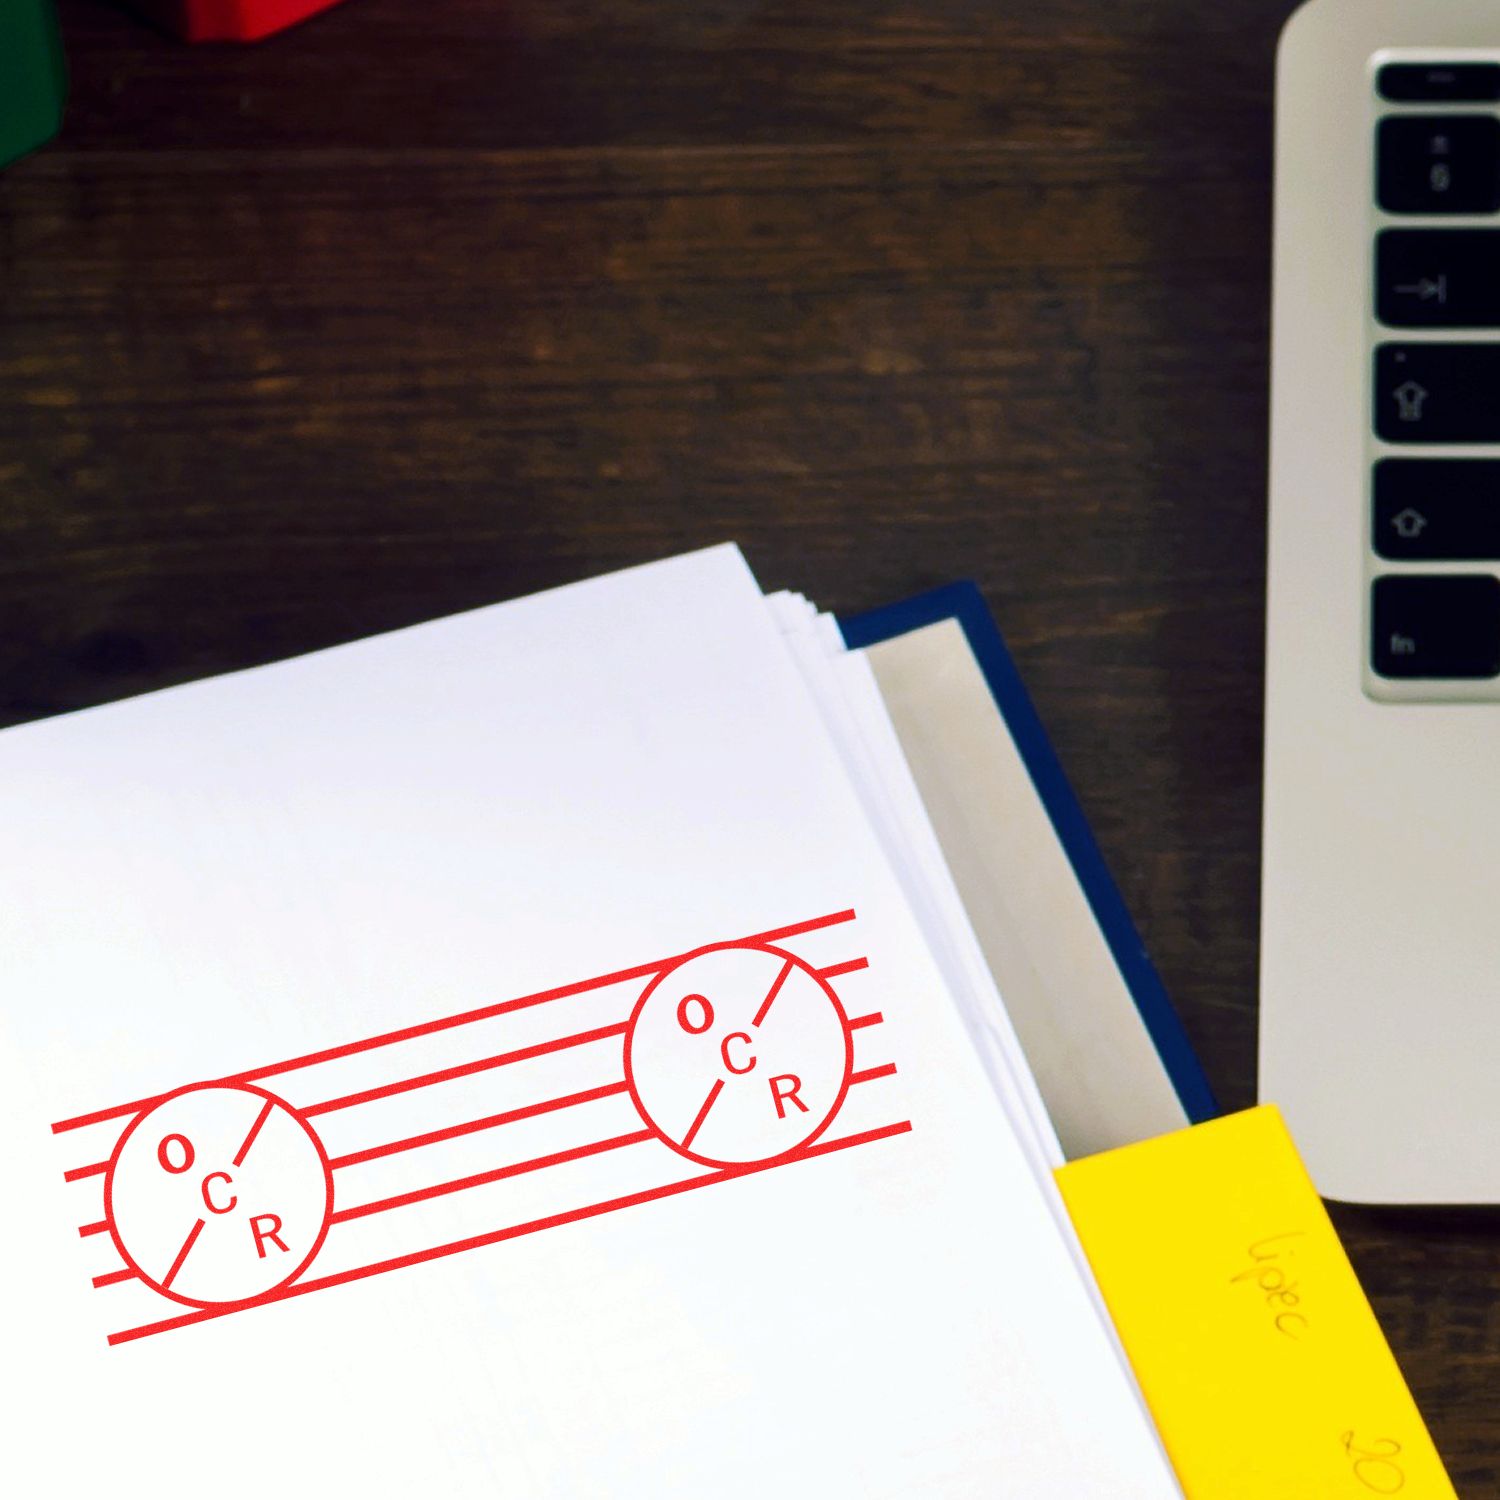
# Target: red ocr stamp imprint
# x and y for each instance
(740, 1053)
(218, 1194)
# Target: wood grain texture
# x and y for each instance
(426, 305)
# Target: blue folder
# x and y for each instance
(963, 603)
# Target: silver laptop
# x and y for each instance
(1380, 974)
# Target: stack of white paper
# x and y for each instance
(539, 1053)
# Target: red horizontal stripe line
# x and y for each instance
(860, 1022)
(512, 1232)
(463, 1018)
(469, 1127)
(79, 1173)
(124, 1274)
(89, 1229)
(499, 1174)
(869, 1073)
(852, 967)
(465, 1070)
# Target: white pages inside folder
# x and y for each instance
(499, 1058)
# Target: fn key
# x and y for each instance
(1438, 625)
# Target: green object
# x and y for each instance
(33, 77)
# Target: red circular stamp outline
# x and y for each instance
(785, 957)
(145, 1114)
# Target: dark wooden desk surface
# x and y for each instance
(428, 304)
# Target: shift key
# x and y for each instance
(1437, 393)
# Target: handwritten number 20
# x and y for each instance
(1375, 1464)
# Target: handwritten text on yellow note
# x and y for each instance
(1258, 1353)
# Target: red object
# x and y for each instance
(229, 20)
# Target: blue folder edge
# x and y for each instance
(964, 603)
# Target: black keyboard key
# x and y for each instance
(1437, 393)
(1439, 83)
(1439, 164)
(1436, 626)
(1438, 278)
(1437, 509)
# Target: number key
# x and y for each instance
(1439, 164)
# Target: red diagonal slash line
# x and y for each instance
(771, 994)
(463, 1018)
(260, 1119)
(511, 1232)
(92, 1170)
(87, 1229)
(499, 1174)
(852, 967)
(463, 1070)
(182, 1254)
(469, 1127)
(124, 1274)
(859, 1022)
(702, 1114)
(869, 1073)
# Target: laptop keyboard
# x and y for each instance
(1436, 379)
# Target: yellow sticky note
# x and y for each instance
(1256, 1349)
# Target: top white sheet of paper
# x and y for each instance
(396, 905)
